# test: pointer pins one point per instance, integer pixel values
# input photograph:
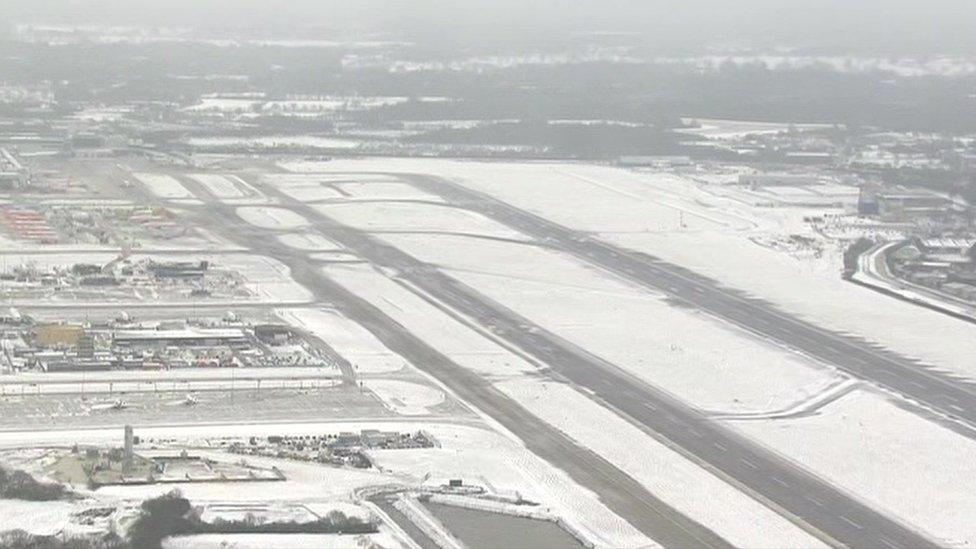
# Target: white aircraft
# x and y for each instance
(118, 404)
(190, 400)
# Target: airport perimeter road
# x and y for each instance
(950, 396)
(617, 490)
(797, 494)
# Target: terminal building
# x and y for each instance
(188, 337)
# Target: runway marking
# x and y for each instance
(720, 446)
(650, 406)
(780, 481)
(695, 432)
(885, 541)
(851, 522)
(749, 463)
(815, 501)
(957, 408)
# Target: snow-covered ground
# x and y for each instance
(639, 210)
(667, 474)
(415, 217)
(462, 344)
(42, 518)
(268, 278)
(477, 454)
(349, 339)
(870, 445)
(367, 188)
(919, 472)
(218, 185)
(292, 541)
(404, 397)
(229, 188)
(675, 480)
(163, 186)
(268, 217)
(339, 187)
(308, 241)
(625, 324)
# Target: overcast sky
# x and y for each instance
(893, 25)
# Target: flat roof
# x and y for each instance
(189, 333)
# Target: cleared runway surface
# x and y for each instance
(621, 493)
(795, 493)
(953, 397)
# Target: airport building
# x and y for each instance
(188, 337)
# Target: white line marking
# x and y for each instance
(885, 541)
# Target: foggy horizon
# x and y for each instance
(905, 27)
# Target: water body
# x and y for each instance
(482, 530)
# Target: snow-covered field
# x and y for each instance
(414, 217)
(42, 518)
(228, 188)
(462, 344)
(921, 473)
(631, 210)
(348, 338)
(678, 482)
(339, 187)
(477, 454)
(627, 325)
(269, 217)
(870, 445)
(292, 541)
(406, 398)
(308, 241)
(163, 186)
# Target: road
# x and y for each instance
(795, 493)
(872, 272)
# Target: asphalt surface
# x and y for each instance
(617, 490)
(950, 396)
(795, 493)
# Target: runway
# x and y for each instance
(953, 397)
(836, 517)
(617, 490)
